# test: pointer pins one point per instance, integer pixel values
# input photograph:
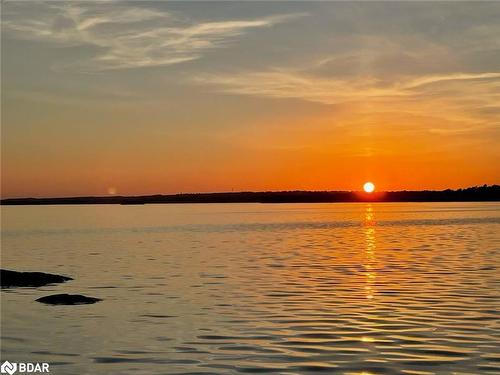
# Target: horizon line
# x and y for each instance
(250, 192)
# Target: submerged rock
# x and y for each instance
(68, 299)
(11, 279)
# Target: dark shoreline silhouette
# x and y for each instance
(473, 194)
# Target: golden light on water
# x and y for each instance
(370, 256)
(369, 187)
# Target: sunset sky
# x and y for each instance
(128, 97)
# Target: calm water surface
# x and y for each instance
(408, 288)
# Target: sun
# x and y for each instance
(369, 187)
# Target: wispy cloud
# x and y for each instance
(430, 79)
(465, 99)
(125, 35)
(283, 83)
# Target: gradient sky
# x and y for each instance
(162, 97)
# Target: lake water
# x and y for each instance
(388, 288)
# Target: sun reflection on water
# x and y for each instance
(370, 251)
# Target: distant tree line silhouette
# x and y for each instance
(471, 194)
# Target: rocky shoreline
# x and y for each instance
(14, 279)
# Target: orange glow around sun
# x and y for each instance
(369, 187)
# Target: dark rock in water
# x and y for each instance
(68, 299)
(11, 279)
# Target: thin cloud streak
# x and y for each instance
(286, 84)
(128, 36)
(426, 80)
(296, 85)
(457, 97)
